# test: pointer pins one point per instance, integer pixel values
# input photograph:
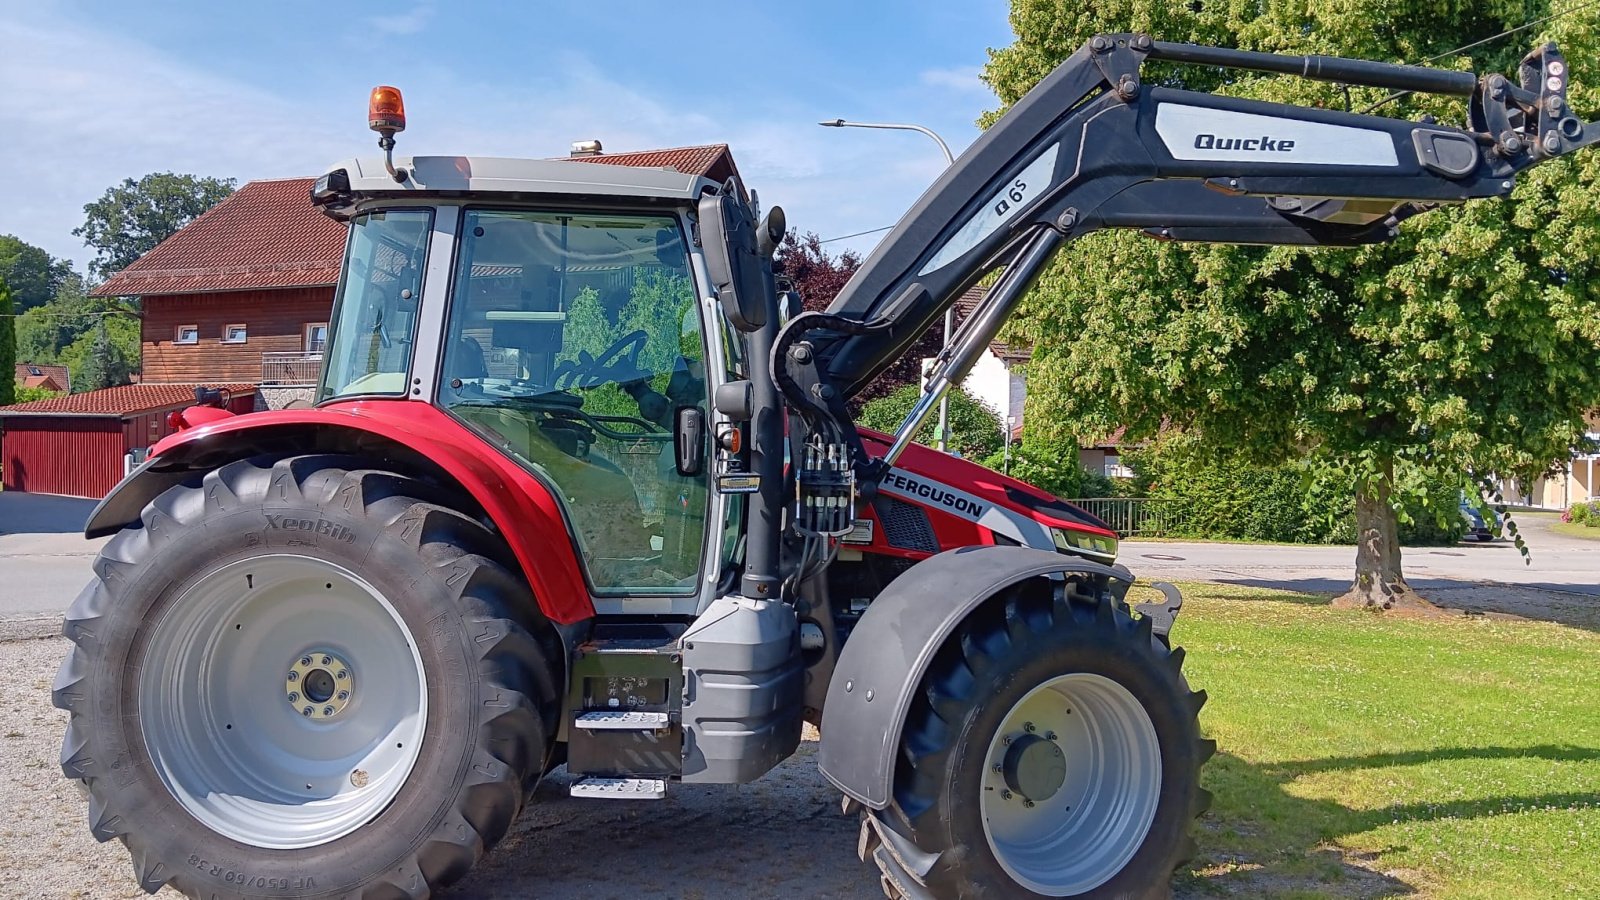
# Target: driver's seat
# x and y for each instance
(470, 361)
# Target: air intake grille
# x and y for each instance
(905, 525)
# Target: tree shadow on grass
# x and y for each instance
(1558, 604)
(1261, 841)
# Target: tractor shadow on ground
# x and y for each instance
(23, 513)
(783, 836)
(1261, 841)
(1558, 604)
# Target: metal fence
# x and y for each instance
(291, 369)
(1136, 516)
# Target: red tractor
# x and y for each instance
(580, 488)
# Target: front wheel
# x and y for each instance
(299, 678)
(1053, 751)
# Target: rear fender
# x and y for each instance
(892, 646)
(406, 437)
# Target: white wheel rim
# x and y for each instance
(222, 731)
(1078, 836)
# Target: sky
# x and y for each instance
(95, 92)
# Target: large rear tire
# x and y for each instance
(1053, 750)
(304, 678)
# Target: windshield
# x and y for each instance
(376, 305)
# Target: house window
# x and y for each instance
(187, 334)
(233, 334)
(316, 337)
(35, 371)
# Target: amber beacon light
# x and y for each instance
(386, 111)
(386, 114)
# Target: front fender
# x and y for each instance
(891, 647)
(409, 437)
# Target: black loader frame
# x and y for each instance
(1092, 146)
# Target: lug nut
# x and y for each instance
(344, 695)
(294, 676)
(1005, 795)
(294, 696)
(1049, 735)
(307, 712)
(342, 675)
(327, 710)
(327, 660)
(1028, 727)
(1027, 803)
(998, 768)
(305, 660)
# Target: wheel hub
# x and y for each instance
(320, 685)
(1034, 767)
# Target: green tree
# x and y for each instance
(134, 216)
(8, 347)
(101, 356)
(30, 394)
(1469, 345)
(33, 274)
(975, 429)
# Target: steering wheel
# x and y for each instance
(621, 359)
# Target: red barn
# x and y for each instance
(79, 444)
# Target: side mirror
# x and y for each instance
(689, 440)
(740, 274)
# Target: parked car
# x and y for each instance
(1478, 526)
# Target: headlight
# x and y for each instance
(1099, 546)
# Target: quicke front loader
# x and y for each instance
(579, 490)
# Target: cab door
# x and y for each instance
(573, 340)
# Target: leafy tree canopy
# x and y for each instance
(134, 216)
(1472, 343)
(8, 347)
(32, 274)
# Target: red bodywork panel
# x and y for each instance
(526, 513)
(988, 488)
(518, 503)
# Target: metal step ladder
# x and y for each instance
(596, 788)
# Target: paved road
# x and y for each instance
(44, 559)
(1558, 563)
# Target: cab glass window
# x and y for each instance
(375, 309)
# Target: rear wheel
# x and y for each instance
(1053, 751)
(303, 678)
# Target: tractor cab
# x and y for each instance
(554, 308)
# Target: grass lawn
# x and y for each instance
(1576, 529)
(1368, 756)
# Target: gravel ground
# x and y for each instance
(783, 836)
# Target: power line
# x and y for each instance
(844, 237)
(1479, 43)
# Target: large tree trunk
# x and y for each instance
(1379, 583)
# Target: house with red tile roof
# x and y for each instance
(50, 378)
(238, 299)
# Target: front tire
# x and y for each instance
(1053, 751)
(301, 678)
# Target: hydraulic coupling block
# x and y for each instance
(826, 491)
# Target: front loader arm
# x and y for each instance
(1092, 147)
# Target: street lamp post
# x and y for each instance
(949, 314)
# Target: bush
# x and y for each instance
(1306, 502)
(975, 430)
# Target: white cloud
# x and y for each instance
(89, 108)
(964, 79)
(402, 23)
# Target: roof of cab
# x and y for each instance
(481, 174)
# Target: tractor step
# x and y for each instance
(622, 720)
(620, 788)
